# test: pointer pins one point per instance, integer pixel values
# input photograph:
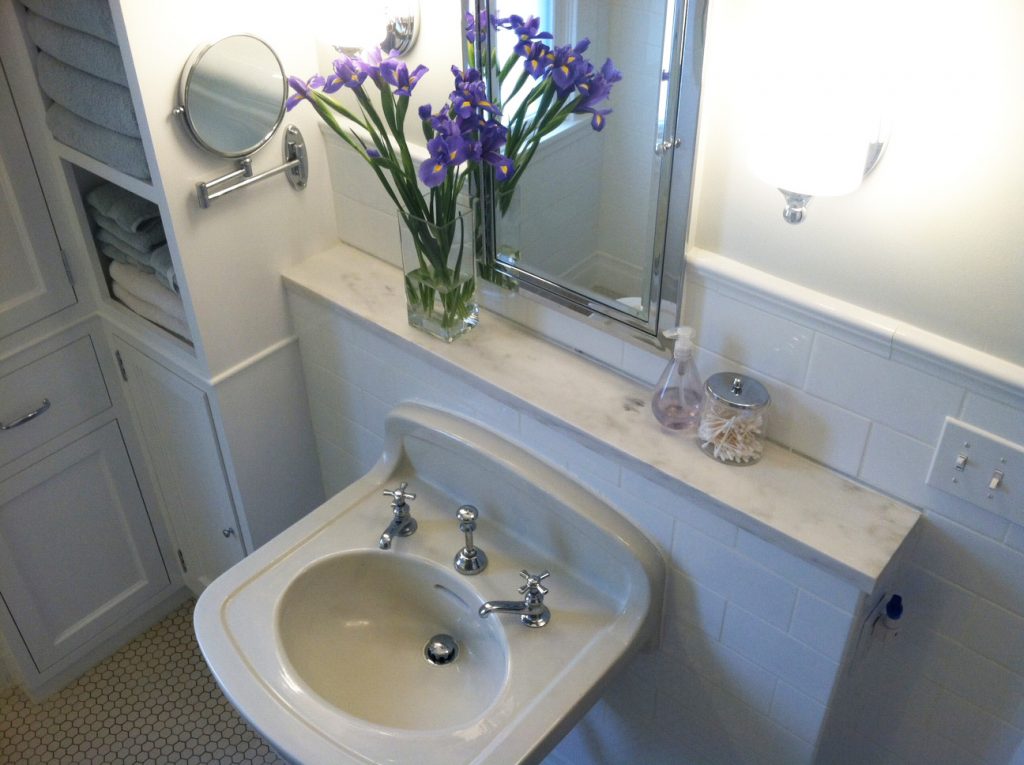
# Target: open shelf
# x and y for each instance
(139, 187)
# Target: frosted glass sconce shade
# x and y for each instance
(813, 99)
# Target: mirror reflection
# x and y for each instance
(587, 218)
(233, 95)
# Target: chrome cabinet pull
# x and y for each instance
(26, 417)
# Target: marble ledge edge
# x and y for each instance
(893, 520)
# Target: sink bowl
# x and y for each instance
(364, 653)
(320, 639)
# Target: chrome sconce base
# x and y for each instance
(796, 203)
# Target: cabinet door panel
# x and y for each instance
(77, 551)
(178, 431)
(33, 283)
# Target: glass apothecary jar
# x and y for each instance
(733, 418)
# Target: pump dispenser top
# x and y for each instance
(683, 348)
(677, 397)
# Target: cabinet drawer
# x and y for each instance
(69, 378)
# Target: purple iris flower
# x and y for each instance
(302, 89)
(492, 138)
(397, 74)
(486, 23)
(595, 88)
(568, 66)
(445, 152)
(347, 74)
(470, 94)
(526, 32)
(538, 62)
(373, 61)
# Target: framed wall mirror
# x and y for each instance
(596, 217)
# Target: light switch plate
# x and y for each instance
(968, 459)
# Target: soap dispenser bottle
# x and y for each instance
(677, 397)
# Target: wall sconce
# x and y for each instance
(796, 203)
(392, 26)
(814, 85)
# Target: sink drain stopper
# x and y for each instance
(441, 650)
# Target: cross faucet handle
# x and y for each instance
(533, 583)
(399, 496)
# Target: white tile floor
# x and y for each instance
(154, 701)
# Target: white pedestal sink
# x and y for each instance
(318, 637)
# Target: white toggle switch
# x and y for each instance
(981, 468)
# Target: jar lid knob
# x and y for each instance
(737, 385)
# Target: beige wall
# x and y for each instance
(935, 237)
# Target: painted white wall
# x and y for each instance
(247, 238)
(934, 235)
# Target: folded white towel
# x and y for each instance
(151, 312)
(147, 287)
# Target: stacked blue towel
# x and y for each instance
(80, 68)
(129, 232)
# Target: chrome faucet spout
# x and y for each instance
(531, 609)
(402, 523)
(508, 606)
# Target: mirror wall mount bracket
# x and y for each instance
(295, 167)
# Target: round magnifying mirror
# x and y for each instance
(232, 95)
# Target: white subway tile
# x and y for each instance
(956, 667)
(656, 523)
(937, 604)
(974, 562)
(803, 574)
(337, 467)
(990, 740)
(688, 602)
(733, 575)
(996, 634)
(996, 417)
(368, 229)
(816, 428)
(905, 399)
(564, 449)
(802, 667)
(684, 509)
(811, 426)
(897, 464)
(1015, 537)
(797, 712)
(723, 667)
(643, 364)
(820, 625)
(756, 339)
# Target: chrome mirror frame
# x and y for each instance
(676, 146)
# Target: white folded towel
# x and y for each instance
(147, 287)
(151, 312)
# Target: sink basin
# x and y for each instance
(365, 653)
(339, 652)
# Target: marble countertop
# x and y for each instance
(786, 499)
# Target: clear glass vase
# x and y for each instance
(440, 280)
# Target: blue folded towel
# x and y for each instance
(78, 49)
(115, 253)
(95, 99)
(144, 241)
(91, 16)
(114, 149)
(129, 211)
